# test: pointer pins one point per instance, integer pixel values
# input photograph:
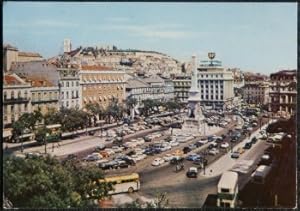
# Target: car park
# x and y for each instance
(192, 172)
(157, 162)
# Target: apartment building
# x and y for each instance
(182, 85)
(256, 93)
(16, 98)
(101, 84)
(283, 92)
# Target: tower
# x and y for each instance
(67, 45)
(195, 117)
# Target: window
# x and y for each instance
(26, 94)
(62, 95)
(201, 86)
(12, 95)
(201, 96)
(206, 86)
(67, 83)
(217, 97)
(221, 97)
(19, 94)
(67, 103)
(25, 107)
(206, 97)
(224, 190)
(67, 95)
(72, 84)
(211, 97)
(72, 94)
(5, 95)
(211, 86)
(77, 83)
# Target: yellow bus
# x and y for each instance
(123, 184)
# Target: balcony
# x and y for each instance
(38, 101)
(16, 100)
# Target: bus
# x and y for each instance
(55, 134)
(260, 174)
(228, 190)
(123, 184)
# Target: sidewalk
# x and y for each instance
(226, 162)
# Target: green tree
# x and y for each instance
(45, 183)
(41, 136)
(18, 130)
(52, 117)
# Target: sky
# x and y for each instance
(257, 37)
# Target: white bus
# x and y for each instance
(260, 174)
(228, 190)
(123, 184)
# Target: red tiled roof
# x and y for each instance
(29, 54)
(39, 82)
(95, 67)
(11, 80)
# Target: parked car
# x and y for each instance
(192, 157)
(248, 145)
(168, 157)
(186, 150)
(174, 143)
(203, 141)
(235, 154)
(192, 172)
(253, 140)
(213, 151)
(192, 146)
(224, 145)
(157, 162)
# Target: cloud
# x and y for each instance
(162, 31)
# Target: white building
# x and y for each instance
(216, 86)
(70, 96)
(137, 89)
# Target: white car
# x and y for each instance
(157, 162)
(224, 145)
(174, 143)
(203, 141)
(168, 157)
(213, 151)
(117, 149)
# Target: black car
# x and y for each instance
(197, 144)
(192, 173)
(253, 140)
(186, 150)
(248, 145)
(122, 164)
(210, 146)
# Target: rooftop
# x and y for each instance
(95, 67)
(136, 83)
(38, 81)
(12, 79)
(29, 54)
(285, 72)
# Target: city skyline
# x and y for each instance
(253, 37)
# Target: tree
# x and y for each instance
(130, 104)
(52, 117)
(45, 183)
(18, 130)
(41, 135)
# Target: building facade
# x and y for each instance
(182, 85)
(169, 89)
(44, 94)
(216, 86)
(156, 87)
(16, 98)
(137, 89)
(283, 92)
(11, 55)
(70, 90)
(256, 93)
(101, 84)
